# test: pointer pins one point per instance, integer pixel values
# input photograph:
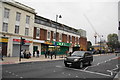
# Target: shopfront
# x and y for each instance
(76, 47)
(16, 47)
(3, 45)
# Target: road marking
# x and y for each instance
(21, 77)
(76, 76)
(13, 74)
(63, 73)
(54, 71)
(110, 72)
(98, 63)
(9, 72)
(86, 71)
(86, 68)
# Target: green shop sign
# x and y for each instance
(61, 43)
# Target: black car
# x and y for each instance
(79, 59)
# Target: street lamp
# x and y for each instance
(57, 16)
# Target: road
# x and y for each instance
(104, 67)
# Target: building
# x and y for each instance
(16, 21)
(68, 39)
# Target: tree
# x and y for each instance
(89, 45)
(113, 41)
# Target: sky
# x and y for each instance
(99, 16)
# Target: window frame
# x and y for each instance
(27, 19)
(5, 28)
(48, 36)
(16, 29)
(26, 32)
(6, 13)
(37, 32)
(18, 16)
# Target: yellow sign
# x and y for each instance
(3, 40)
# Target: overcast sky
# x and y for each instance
(80, 14)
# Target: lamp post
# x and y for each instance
(57, 16)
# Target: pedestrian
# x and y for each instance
(24, 53)
(70, 53)
(51, 53)
(55, 53)
(37, 53)
(48, 53)
(45, 53)
(33, 53)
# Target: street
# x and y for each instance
(104, 67)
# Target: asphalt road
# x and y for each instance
(104, 68)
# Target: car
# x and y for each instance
(79, 59)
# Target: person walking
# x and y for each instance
(37, 53)
(33, 53)
(48, 53)
(45, 53)
(70, 53)
(51, 54)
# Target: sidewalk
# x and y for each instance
(15, 60)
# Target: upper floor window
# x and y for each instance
(70, 38)
(54, 35)
(26, 31)
(18, 16)
(16, 29)
(27, 19)
(6, 13)
(5, 27)
(38, 33)
(48, 35)
(60, 36)
(67, 37)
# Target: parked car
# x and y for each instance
(79, 59)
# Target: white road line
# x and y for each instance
(110, 72)
(54, 71)
(76, 76)
(86, 68)
(86, 71)
(16, 75)
(98, 63)
(13, 74)
(9, 72)
(63, 73)
(21, 77)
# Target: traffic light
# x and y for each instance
(22, 41)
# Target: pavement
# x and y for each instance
(15, 60)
